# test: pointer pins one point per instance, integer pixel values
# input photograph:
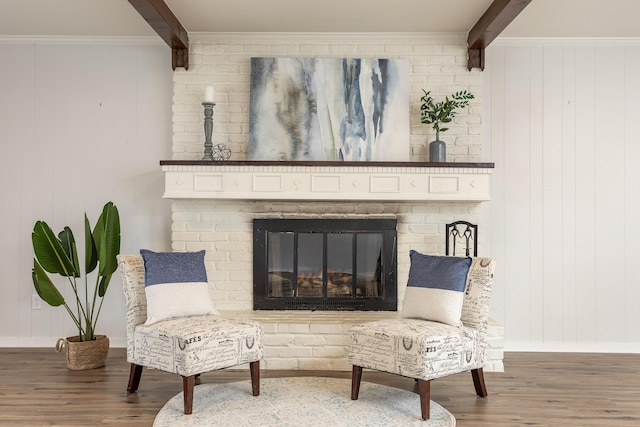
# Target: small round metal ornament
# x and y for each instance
(221, 152)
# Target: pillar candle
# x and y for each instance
(208, 94)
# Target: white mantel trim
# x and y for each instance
(275, 182)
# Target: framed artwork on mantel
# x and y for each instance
(331, 109)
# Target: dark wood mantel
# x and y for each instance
(324, 163)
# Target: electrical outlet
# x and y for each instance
(36, 302)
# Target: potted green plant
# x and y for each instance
(58, 255)
(439, 113)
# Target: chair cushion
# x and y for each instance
(175, 285)
(197, 344)
(435, 289)
(414, 348)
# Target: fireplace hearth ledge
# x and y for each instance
(296, 316)
(318, 340)
(255, 180)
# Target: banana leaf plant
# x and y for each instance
(59, 255)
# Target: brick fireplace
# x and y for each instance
(214, 205)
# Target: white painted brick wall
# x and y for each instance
(299, 340)
(224, 228)
(437, 63)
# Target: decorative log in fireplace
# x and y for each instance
(325, 264)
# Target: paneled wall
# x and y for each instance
(80, 124)
(562, 126)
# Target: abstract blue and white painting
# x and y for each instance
(329, 109)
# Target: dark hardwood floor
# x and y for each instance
(537, 389)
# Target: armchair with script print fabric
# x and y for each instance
(173, 327)
(442, 329)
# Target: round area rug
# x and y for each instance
(301, 401)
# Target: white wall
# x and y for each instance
(559, 121)
(561, 124)
(80, 124)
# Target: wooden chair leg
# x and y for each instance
(356, 377)
(424, 386)
(254, 369)
(188, 383)
(135, 372)
(478, 382)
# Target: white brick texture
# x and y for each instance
(312, 340)
(302, 340)
(437, 64)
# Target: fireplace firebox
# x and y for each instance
(325, 264)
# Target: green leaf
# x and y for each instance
(104, 284)
(91, 253)
(49, 251)
(107, 236)
(69, 247)
(444, 111)
(44, 286)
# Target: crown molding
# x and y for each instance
(567, 41)
(329, 37)
(90, 40)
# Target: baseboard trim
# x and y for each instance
(558, 347)
(44, 342)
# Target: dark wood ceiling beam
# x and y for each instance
(496, 18)
(164, 22)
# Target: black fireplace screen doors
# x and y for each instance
(324, 264)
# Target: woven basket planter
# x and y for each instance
(83, 355)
